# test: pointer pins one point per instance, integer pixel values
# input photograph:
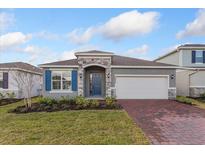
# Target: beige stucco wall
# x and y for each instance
(182, 82)
(171, 59)
(187, 58)
(198, 79)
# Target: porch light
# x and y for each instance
(108, 75)
(80, 75)
(172, 76)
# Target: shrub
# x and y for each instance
(72, 101)
(110, 101)
(94, 103)
(11, 95)
(67, 100)
(47, 100)
(42, 100)
(81, 101)
(51, 101)
(64, 99)
(2, 96)
(185, 100)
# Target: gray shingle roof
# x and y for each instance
(128, 61)
(21, 65)
(64, 62)
(116, 60)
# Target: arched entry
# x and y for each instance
(94, 85)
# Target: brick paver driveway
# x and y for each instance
(168, 122)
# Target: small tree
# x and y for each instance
(25, 83)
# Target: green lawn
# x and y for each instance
(69, 127)
(197, 102)
(200, 103)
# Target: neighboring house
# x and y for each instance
(20, 78)
(190, 78)
(97, 74)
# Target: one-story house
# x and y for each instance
(21, 79)
(190, 76)
(97, 74)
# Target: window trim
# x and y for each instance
(199, 57)
(61, 80)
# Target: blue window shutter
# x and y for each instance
(48, 80)
(204, 57)
(74, 80)
(193, 56)
(5, 80)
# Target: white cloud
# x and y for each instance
(14, 39)
(47, 35)
(33, 51)
(38, 54)
(143, 50)
(77, 37)
(138, 52)
(6, 20)
(194, 28)
(67, 55)
(71, 54)
(132, 23)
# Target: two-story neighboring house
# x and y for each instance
(190, 77)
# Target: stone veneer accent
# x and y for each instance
(196, 91)
(172, 93)
(85, 61)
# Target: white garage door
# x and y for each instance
(142, 87)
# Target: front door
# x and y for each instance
(96, 84)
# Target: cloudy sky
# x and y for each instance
(44, 35)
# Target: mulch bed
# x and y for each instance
(8, 101)
(43, 107)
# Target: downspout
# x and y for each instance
(195, 71)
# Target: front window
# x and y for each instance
(61, 80)
(1, 80)
(199, 56)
